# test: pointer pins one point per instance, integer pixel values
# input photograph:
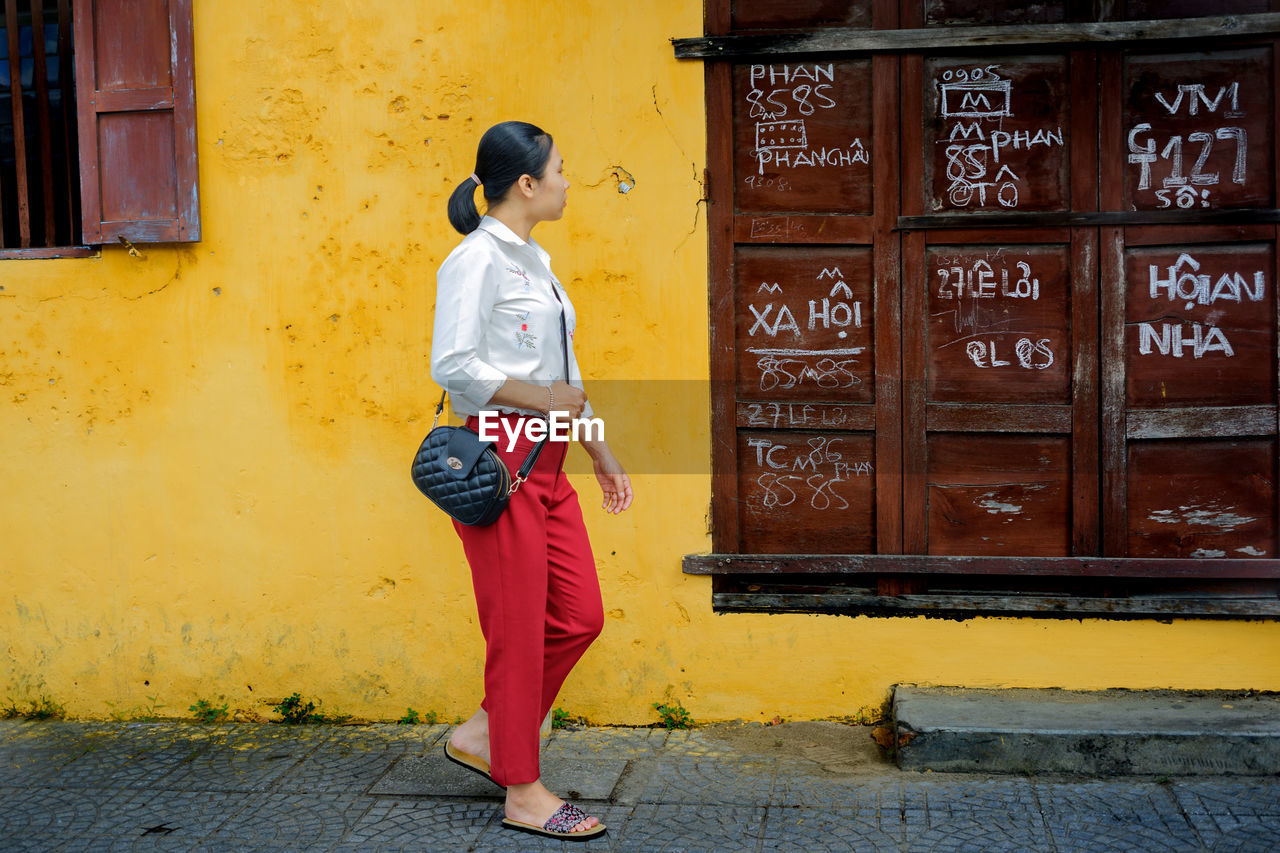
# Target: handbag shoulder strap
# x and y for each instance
(532, 458)
(564, 333)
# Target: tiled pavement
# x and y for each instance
(182, 786)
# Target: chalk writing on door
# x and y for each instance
(781, 100)
(796, 415)
(1199, 161)
(808, 473)
(1183, 282)
(975, 104)
(977, 300)
(775, 325)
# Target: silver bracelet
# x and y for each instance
(551, 401)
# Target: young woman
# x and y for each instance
(503, 332)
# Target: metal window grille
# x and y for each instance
(39, 163)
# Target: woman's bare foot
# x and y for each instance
(533, 804)
(473, 735)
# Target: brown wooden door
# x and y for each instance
(1006, 303)
(1189, 313)
(808, 383)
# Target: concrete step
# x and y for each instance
(1103, 733)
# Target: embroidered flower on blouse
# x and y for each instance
(521, 273)
(524, 338)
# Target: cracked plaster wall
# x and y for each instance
(206, 446)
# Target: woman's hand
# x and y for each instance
(614, 481)
(568, 398)
(526, 395)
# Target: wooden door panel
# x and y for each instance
(892, 377)
(996, 133)
(1198, 130)
(999, 324)
(999, 495)
(804, 324)
(1147, 10)
(1200, 326)
(802, 137)
(806, 492)
(770, 14)
(1202, 498)
(950, 13)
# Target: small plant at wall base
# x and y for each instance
(151, 711)
(562, 719)
(206, 712)
(413, 718)
(673, 715)
(42, 709)
(294, 711)
(148, 713)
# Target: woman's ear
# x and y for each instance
(525, 184)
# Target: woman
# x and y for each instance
(500, 345)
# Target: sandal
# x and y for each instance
(559, 825)
(474, 763)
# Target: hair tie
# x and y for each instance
(475, 178)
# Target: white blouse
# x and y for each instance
(497, 317)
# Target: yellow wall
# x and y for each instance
(205, 449)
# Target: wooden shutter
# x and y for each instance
(994, 314)
(807, 368)
(136, 108)
(999, 340)
(1189, 369)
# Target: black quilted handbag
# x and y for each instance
(464, 476)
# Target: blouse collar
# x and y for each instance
(506, 235)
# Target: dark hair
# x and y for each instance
(506, 151)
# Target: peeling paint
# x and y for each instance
(1209, 515)
(382, 589)
(994, 506)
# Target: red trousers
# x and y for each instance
(539, 602)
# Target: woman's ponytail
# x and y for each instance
(463, 214)
(506, 151)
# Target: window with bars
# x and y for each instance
(97, 125)
(39, 180)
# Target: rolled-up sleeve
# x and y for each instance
(465, 295)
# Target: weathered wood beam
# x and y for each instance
(862, 41)
(1106, 218)
(981, 417)
(978, 605)
(1200, 422)
(879, 564)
